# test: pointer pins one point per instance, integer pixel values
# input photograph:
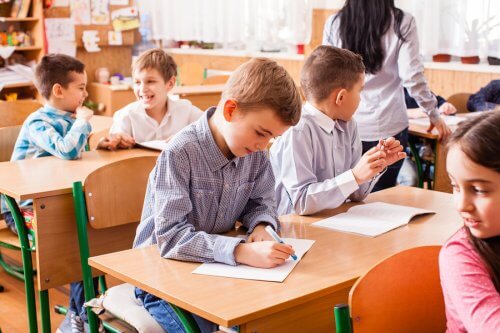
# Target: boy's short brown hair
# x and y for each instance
(328, 68)
(53, 69)
(261, 82)
(156, 59)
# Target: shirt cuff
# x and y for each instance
(224, 249)
(83, 126)
(347, 183)
(263, 218)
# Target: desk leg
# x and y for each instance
(313, 316)
(416, 156)
(45, 310)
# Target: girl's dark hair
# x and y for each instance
(479, 140)
(362, 25)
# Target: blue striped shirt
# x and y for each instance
(195, 193)
(50, 132)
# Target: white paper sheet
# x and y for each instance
(276, 274)
(449, 120)
(154, 144)
(372, 219)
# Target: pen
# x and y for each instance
(277, 238)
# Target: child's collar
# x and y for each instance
(51, 109)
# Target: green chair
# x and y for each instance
(111, 196)
(399, 294)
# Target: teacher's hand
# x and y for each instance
(443, 130)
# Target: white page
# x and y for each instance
(276, 274)
(154, 144)
(371, 219)
(449, 120)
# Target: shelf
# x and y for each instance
(18, 85)
(16, 19)
(27, 48)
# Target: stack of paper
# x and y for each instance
(276, 274)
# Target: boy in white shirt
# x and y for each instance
(318, 163)
(154, 116)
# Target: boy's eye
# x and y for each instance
(260, 134)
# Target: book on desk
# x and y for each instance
(372, 219)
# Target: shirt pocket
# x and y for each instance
(203, 208)
(242, 195)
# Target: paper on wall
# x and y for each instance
(100, 12)
(115, 38)
(90, 39)
(80, 11)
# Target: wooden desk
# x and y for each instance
(441, 179)
(100, 123)
(304, 301)
(113, 100)
(48, 181)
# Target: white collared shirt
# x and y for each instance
(382, 110)
(134, 121)
(312, 163)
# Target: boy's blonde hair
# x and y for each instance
(328, 68)
(261, 82)
(156, 59)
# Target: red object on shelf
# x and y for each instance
(441, 57)
(300, 48)
(470, 60)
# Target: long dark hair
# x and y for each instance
(362, 25)
(479, 139)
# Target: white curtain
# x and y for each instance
(254, 22)
(457, 27)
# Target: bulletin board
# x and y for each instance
(117, 58)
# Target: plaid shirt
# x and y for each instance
(50, 132)
(195, 193)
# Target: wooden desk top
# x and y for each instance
(42, 177)
(421, 130)
(334, 262)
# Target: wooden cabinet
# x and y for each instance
(33, 24)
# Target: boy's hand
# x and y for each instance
(393, 150)
(84, 113)
(259, 234)
(447, 109)
(266, 254)
(109, 142)
(370, 164)
(126, 141)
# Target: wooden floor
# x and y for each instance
(13, 316)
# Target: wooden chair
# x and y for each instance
(8, 137)
(399, 294)
(94, 138)
(459, 100)
(113, 196)
(14, 113)
(191, 74)
(216, 79)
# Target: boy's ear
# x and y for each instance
(57, 90)
(341, 95)
(171, 83)
(230, 106)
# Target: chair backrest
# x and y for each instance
(459, 100)
(114, 194)
(400, 294)
(191, 74)
(216, 79)
(8, 137)
(13, 113)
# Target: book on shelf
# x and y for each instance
(20, 8)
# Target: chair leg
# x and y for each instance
(342, 318)
(13, 270)
(45, 310)
(418, 162)
(102, 284)
(187, 319)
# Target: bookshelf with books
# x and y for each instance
(21, 43)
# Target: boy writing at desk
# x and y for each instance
(318, 163)
(60, 128)
(154, 116)
(216, 172)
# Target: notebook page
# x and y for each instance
(154, 144)
(387, 212)
(276, 274)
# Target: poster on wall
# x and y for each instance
(115, 38)
(60, 33)
(80, 11)
(100, 12)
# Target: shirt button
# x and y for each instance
(226, 186)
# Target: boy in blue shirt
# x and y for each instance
(216, 172)
(318, 163)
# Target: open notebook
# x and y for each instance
(154, 144)
(276, 274)
(372, 219)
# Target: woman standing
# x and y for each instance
(386, 38)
